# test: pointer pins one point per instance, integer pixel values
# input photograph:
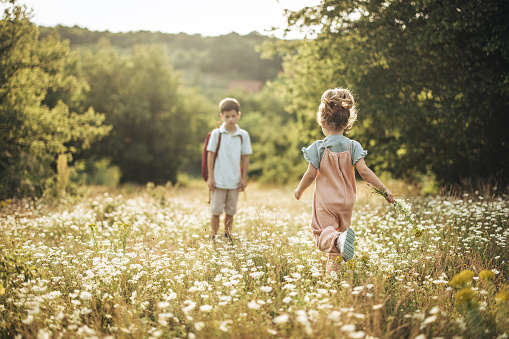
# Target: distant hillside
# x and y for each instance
(204, 61)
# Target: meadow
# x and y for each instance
(137, 263)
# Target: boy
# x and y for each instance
(228, 174)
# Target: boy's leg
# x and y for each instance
(228, 223)
(214, 224)
(230, 209)
(217, 204)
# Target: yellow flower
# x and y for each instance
(486, 275)
(502, 296)
(339, 259)
(351, 263)
(462, 278)
(418, 233)
(465, 296)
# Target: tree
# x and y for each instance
(153, 120)
(431, 77)
(37, 88)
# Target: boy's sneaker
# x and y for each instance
(228, 237)
(212, 238)
(345, 244)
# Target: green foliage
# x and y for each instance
(205, 62)
(101, 172)
(276, 154)
(153, 120)
(431, 78)
(37, 92)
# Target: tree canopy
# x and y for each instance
(431, 79)
(41, 114)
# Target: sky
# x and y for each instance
(205, 17)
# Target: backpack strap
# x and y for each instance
(217, 148)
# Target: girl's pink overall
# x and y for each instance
(333, 201)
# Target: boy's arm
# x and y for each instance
(371, 177)
(210, 169)
(244, 161)
(306, 181)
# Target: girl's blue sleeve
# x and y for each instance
(357, 152)
(312, 154)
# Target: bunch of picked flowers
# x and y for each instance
(403, 209)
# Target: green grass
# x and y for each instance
(147, 269)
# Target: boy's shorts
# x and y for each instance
(224, 199)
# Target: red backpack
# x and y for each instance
(204, 169)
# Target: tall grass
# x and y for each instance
(140, 265)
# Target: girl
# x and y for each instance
(331, 163)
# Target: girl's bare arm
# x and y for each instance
(306, 181)
(371, 177)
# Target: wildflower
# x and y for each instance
(403, 209)
(428, 321)
(335, 316)
(434, 310)
(224, 325)
(461, 279)
(256, 275)
(290, 287)
(253, 305)
(86, 331)
(2, 289)
(502, 296)
(281, 319)
(85, 295)
(163, 304)
(302, 317)
(287, 300)
(206, 308)
(191, 305)
(44, 334)
(486, 275)
(266, 289)
(377, 307)
(199, 325)
(465, 296)
(29, 319)
(348, 328)
(357, 335)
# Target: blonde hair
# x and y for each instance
(337, 110)
(229, 104)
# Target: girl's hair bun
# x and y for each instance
(337, 109)
(347, 103)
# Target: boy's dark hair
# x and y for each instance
(228, 104)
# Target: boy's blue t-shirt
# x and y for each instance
(227, 167)
(335, 143)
